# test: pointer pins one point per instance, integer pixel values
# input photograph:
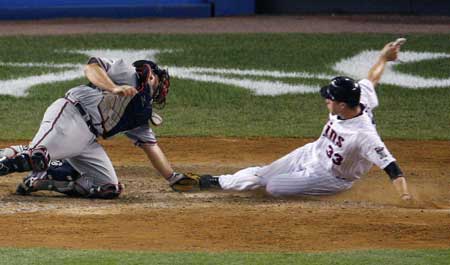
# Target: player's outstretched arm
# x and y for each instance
(97, 76)
(178, 181)
(158, 159)
(399, 181)
(387, 54)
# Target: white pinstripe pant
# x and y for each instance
(285, 176)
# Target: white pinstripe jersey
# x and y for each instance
(349, 148)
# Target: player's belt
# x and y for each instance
(86, 117)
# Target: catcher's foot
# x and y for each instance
(208, 182)
(22, 189)
(4, 166)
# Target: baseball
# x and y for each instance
(156, 119)
(400, 41)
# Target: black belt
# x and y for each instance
(86, 118)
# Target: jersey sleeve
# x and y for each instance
(374, 150)
(368, 94)
(105, 63)
(120, 72)
(141, 135)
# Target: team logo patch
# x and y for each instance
(381, 152)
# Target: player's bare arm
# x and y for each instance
(398, 180)
(402, 188)
(97, 76)
(387, 54)
(158, 159)
(178, 181)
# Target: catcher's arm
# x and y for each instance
(178, 181)
(388, 53)
(98, 76)
(158, 159)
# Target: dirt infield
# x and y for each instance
(149, 216)
(255, 24)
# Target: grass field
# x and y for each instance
(204, 109)
(374, 257)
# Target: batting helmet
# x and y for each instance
(342, 89)
(160, 92)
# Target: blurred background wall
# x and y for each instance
(42, 9)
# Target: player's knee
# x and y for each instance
(39, 158)
(273, 190)
(107, 191)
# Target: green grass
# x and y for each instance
(86, 257)
(427, 68)
(210, 109)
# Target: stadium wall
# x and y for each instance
(405, 7)
(43, 9)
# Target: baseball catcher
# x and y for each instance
(64, 155)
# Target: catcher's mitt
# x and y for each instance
(184, 182)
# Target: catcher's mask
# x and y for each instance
(342, 89)
(160, 92)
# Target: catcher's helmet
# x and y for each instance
(342, 89)
(143, 69)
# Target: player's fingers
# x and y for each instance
(130, 91)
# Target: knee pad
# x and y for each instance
(108, 191)
(39, 158)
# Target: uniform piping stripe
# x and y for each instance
(53, 124)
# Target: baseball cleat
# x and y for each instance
(22, 189)
(4, 169)
(208, 182)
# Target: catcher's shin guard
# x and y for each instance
(34, 159)
(20, 163)
(59, 177)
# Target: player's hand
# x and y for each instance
(408, 201)
(125, 90)
(390, 51)
(406, 197)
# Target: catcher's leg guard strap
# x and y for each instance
(59, 177)
(34, 159)
(39, 158)
(61, 170)
(20, 163)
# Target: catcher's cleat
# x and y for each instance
(23, 190)
(4, 166)
(208, 182)
(26, 186)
